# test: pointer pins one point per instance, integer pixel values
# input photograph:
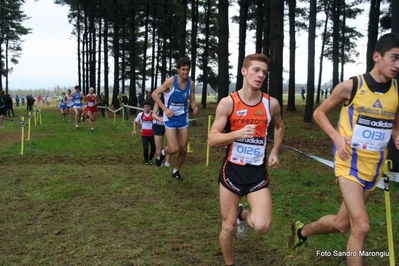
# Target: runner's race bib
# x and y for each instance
(372, 134)
(177, 108)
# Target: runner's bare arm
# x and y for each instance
(217, 138)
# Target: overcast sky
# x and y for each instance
(49, 56)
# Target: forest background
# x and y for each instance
(144, 43)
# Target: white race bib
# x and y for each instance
(371, 134)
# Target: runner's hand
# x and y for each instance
(341, 145)
(247, 132)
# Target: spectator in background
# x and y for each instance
(9, 105)
(303, 93)
(30, 101)
(140, 99)
(2, 108)
(124, 100)
(23, 101)
(103, 102)
(17, 100)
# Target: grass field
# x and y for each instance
(78, 197)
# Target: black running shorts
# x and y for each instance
(243, 180)
(159, 130)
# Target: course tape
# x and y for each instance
(22, 123)
(393, 176)
(142, 109)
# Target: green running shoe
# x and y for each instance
(295, 241)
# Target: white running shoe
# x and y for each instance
(166, 164)
(241, 224)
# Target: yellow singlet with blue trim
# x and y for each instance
(368, 122)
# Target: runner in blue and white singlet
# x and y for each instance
(176, 99)
(77, 104)
(177, 90)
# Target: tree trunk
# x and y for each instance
(100, 20)
(241, 40)
(335, 52)
(145, 48)
(266, 40)
(92, 50)
(206, 55)
(78, 48)
(182, 34)
(372, 32)
(291, 85)
(106, 64)
(194, 32)
(343, 44)
(133, 56)
(311, 58)
(116, 50)
(326, 12)
(223, 49)
(276, 50)
(259, 26)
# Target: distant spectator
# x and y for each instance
(303, 93)
(30, 102)
(124, 100)
(140, 99)
(103, 102)
(9, 105)
(17, 100)
(2, 108)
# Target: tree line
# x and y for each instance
(141, 40)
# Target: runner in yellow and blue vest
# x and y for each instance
(368, 119)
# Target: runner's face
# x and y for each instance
(147, 108)
(255, 74)
(184, 71)
(389, 63)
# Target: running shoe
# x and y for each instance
(177, 176)
(166, 164)
(241, 224)
(295, 241)
(77, 125)
(159, 159)
(150, 162)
